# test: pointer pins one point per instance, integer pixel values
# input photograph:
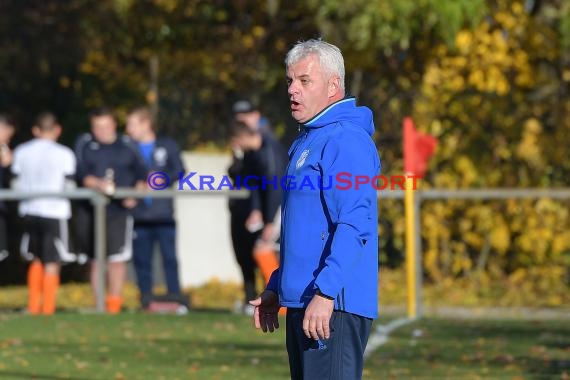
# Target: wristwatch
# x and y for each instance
(321, 294)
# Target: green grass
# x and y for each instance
(475, 349)
(138, 346)
(219, 345)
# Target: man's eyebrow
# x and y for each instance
(303, 76)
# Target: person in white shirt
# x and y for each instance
(43, 165)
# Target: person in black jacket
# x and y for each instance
(255, 222)
(154, 217)
(105, 160)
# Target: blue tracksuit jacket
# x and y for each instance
(329, 234)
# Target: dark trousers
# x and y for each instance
(3, 233)
(143, 248)
(243, 242)
(341, 357)
(82, 228)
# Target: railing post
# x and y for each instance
(418, 253)
(100, 239)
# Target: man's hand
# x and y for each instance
(129, 203)
(268, 232)
(266, 309)
(318, 317)
(100, 184)
(5, 156)
(4, 254)
(143, 186)
(254, 221)
(92, 182)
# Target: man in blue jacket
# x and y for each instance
(154, 217)
(328, 275)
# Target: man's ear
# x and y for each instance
(334, 86)
(58, 130)
(36, 131)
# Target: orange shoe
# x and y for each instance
(114, 304)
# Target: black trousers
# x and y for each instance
(341, 357)
(243, 242)
(3, 233)
(45, 238)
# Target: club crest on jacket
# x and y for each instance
(302, 159)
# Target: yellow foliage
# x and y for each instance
(258, 31)
(463, 41)
(224, 76)
(467, 170)
(432, 264)
(64, 82)
(151, 96)
(517, 8)
(507, 20)
(476, 78)
(484, 87)
(529, 147)
(502, 87)
(167, 5)
(500, 236)
(247, 41)
(561, 242)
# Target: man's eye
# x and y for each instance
(289, 81)
(304, 81)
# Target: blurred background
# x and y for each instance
(489, 79)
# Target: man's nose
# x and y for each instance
(292, 88)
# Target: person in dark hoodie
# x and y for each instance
(328, 274)
(266, 166)
(154, 217)
(246, 218)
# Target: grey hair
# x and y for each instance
(330, 56)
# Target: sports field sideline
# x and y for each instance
(220, 345)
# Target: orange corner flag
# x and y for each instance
(418, 148)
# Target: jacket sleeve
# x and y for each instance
(235, 168)
(250, 168)
(271, 174)
(140, 169)
(175, 163)
(273, 283)
(349, 209)
(81, 165)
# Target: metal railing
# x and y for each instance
(100, 201)
(466, 194)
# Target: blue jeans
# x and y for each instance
(143, 248)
